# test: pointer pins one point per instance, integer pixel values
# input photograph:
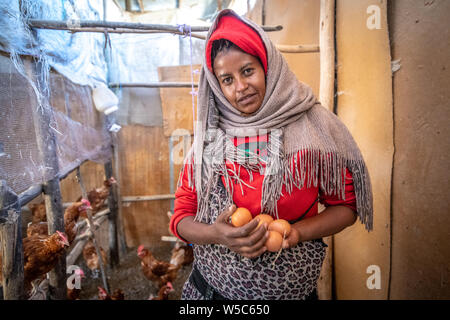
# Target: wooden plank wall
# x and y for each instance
(364, 86)
(144, 162)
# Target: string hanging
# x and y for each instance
(186, 30)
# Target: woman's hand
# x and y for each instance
(292, 240)
(247, 240)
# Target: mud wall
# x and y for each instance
(364, 103)
(420, 33)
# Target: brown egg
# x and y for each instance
(263, 218)
(274, 241)
(280, 226)
(241, 217)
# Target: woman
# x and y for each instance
(262, 141)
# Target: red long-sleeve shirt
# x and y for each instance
(290, 206)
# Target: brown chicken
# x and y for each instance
(71, 215)
(98, 196)
(91, 258)
(74, 293)
(157, 271)
(182, 254)
(40, 255)
(37, 228)
(116, 295)
(38, 212)
(163, 293)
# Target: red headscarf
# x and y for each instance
(242, 35)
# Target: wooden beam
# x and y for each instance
(81, 224)
(154, 85)
(75, 165)
(46, 143)
(298, 48)
(103, 30)
(148, 198)
(29, 194)
(68, 25)
(80, 240)
(11, 244)
(326, 97)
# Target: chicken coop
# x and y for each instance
(97, 112)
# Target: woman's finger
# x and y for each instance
(255, 254)
(253, 243)
(292, 240)
(245, 230)
(226, 214)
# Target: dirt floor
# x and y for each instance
(129, 277)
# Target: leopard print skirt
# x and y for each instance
(290, 276)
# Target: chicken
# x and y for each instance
(182, 254)
(116, 295)
(71, 215)
(91, 258)
(40, 255)
(163, 293)
(38, 212)
(98, 196)
(74, 293)
(157, 271)
(37, 228)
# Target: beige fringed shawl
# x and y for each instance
(295, 121)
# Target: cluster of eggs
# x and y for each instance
(278, 228)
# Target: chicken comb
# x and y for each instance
(102, 292)
(140, 248)
(79, 272)
(86, 202)
(61, 235)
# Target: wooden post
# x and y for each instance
(129, 5)
(263, 12)
(326, 97)
(11, 244)
(46, 142)
(81, 239)
(116, 162)
(92, 227)
(112, 217)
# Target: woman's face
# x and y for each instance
(242, 80)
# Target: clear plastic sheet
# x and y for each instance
(80, 61)
(76, 127)
(78, 56)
